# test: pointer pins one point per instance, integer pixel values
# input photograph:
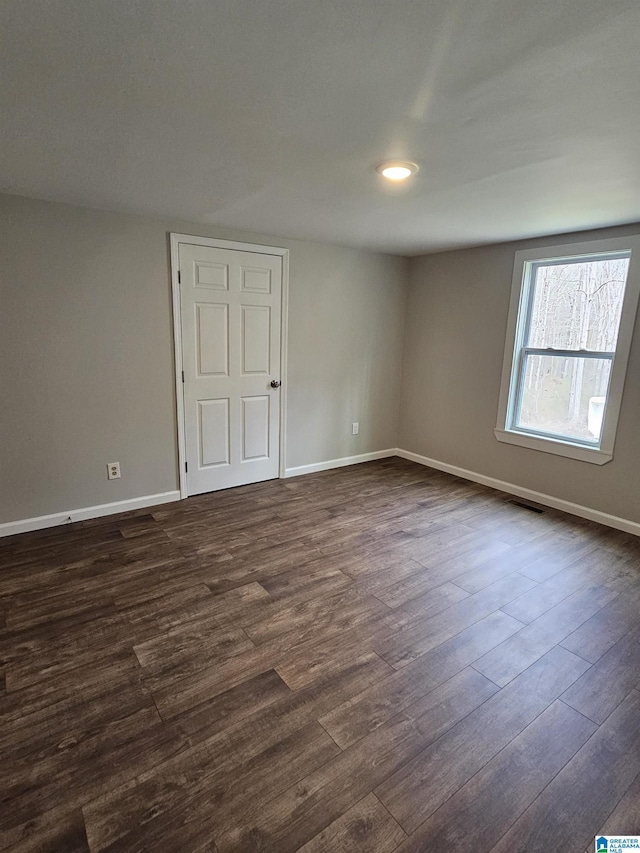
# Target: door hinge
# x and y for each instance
(183, 377)
(179, 278)
(186, 467)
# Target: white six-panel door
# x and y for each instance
(230, 305)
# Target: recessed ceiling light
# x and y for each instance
(397, 170)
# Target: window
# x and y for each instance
(568, 339)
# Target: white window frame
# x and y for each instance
(517, 328)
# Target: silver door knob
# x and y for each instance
(275, 383)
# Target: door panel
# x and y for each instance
(256, 280)
(213, 276)
(256, 335)
(214, 432)
(212, 339)
(231, 323)
(255, 427)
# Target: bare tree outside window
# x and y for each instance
(569, 332)
(568, 347)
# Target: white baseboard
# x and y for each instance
(339, 463)
(43, 521)
(529, 494)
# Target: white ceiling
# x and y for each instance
(270, 115)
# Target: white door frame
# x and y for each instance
(176, 239)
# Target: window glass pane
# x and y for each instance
(564, 396)
(577, 305)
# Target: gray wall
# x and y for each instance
(86, 362)
(86, 359)
(454, 345)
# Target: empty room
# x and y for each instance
(319, 432)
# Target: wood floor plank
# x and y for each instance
(421, 585)
(270, 721)
(601, 689)
(33, 658)
(413, 641)
(513, 656)
(415, 791)
(290, 820)
(188, 638)
(433, 545)
(217, 798)
(554, 590)
(189, 686)
(516, 559)
(55, 830)
(323, 613)
(320, 663)
(368, 710)
(304, 670)
(227, 709)
(603, 630)
(554, 560)
(127, 812)
(310, 580)
(625, 818)
(89, 682)
(151, 613)
(43, 735)
(115, 754)
(495, 568)
(366, 827)
(382, 574)
(478, 815)
(455, 559)
(577, 802)
(294, 709)
(522, 527)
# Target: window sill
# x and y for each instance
(559, 448)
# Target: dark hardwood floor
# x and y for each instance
(379, 658)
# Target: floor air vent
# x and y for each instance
(530, 507)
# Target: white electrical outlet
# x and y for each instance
(113, 470)
(355, 428)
